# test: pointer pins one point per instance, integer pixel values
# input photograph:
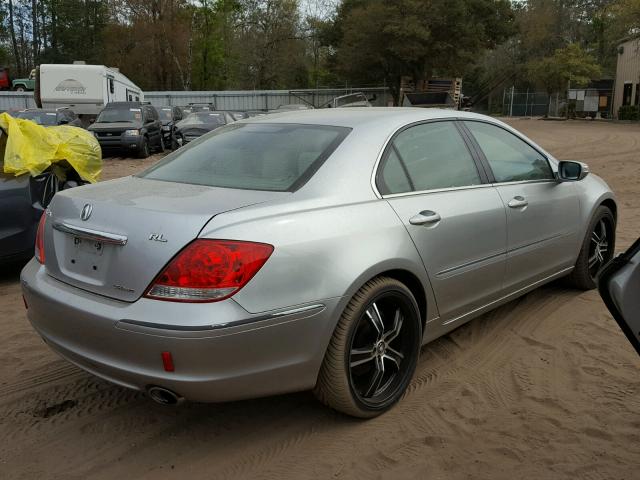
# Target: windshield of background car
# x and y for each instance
(201, 118)
(165, 114)
(120, 115)
(252, 156)
(41, 118)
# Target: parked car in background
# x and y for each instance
(185, 110)
(310, 250)
(25, 84)
(357, 99)
(129, 127)
(23, 196)
(293, 106)
(5, 81)
(239, 115)
(197, 124)
(169, 116)
(256, 113)
(49, 117)
(201, 107)
(20, 210)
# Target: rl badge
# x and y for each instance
(157, 237)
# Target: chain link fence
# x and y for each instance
(532, 104)
(231, 100)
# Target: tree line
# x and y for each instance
(270, 44)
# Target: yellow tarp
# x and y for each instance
(32, 148)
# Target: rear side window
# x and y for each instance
(393, 177)
(430, 156)
(275, 157)
(510, 158)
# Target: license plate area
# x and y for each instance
(86, 259)
(89, 247)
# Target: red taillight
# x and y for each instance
(167, 362)
(209, 270)
(39, 253)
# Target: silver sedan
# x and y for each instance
(314, 249)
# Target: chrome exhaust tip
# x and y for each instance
(164, 396)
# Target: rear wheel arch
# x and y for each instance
(611, 205)
(405, 276)
(416, 287)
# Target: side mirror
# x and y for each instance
(64, 122)
(569, 171)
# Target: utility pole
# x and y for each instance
(568, 88)
(513, 87)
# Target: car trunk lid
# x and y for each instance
(113, 238)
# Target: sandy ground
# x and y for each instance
(544, 387)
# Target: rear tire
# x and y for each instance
(374, 350)
(144, 149)
(597, 249)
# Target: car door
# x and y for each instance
(151, 123)
(542, 213)
(619, 284)
(430, 177)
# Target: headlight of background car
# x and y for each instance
(132, 133)
(166, 128)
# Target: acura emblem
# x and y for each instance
(86, 211)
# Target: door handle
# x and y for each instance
(424, 217)
(518, 202)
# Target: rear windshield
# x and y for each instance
(40, 117)
(202, 118)
(253, 156)
(165, 113)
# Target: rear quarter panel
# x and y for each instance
(321, 251)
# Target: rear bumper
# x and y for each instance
(220, 351)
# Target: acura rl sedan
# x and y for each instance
(315, 249)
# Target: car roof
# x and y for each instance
(127, 104)
(354, 117)
(44, 110)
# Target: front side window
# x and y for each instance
(510, 158)
(275, 157)
(430, 156)
(148, 115)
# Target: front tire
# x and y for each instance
(597, 249)
(374, 350)
(144, 149)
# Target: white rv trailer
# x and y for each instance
(85, 89)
